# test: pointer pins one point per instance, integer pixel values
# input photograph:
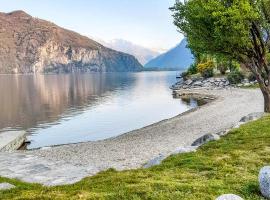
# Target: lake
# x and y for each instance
(71, 108)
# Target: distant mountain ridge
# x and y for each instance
(179, 57)
(143, 54)
(32, 45)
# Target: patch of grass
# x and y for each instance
(255, 86)
(230, 165)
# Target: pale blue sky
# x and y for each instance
(144, 22)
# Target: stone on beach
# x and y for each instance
(252, 116)
(155, 161)
(229, 197)
(264, 181)
(206, 138)
(6, 186)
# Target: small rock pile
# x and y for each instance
(202, 83)
(246, 83)
(210, 83)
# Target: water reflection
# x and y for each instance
(60, 109)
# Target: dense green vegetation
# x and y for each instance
(230, 165)
(235, 30)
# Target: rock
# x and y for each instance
(227, 83)
(198, 83)
(6, 186)
(185, 86)
(239, 85)
(188, 82)
(245, 81)
(221, 84)
(155, 161)
(264, 181)
(186, 149)
(11, 140)
(252, 116)
(204, 139)
(229, 197)
(32, 45)
(207, 84)
(222, 133)
(211, 80)
(247, 84)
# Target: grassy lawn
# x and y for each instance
(256, 86)
(230, 165)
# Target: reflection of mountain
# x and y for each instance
(34, 99)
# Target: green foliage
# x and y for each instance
(184, 75)
(234, 65)
(223, 64)
(251, 77)
(235, 77)
(238, 29)
(192, 69)
(206, 69)
(230, 165)
(217, 27)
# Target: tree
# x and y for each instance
(236, 29)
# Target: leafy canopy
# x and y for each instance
(218, 27)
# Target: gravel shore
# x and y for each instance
(133, 149)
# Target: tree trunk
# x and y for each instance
(266, 95)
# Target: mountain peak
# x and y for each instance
(143, 54)
(18, 13)
(179, 57)
(32, 45)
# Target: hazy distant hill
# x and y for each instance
(141, 53)
(29, 45)
(179, 57)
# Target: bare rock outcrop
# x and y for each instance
(32, 45)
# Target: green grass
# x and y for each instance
(230, 165)
(256, 86)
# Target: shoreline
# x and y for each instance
(70, 163)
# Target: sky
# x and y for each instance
(144, 22)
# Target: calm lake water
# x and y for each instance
(70, 108)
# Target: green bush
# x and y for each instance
(251, 77)
(184, 75)
(235, 77)
(192, 69)
(206, 69)
(222, 68)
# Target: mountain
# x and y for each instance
(141, 53)
(180, 57)
(32, 45)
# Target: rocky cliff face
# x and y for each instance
(31, 45)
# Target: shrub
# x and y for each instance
(222, 68)
(235, 77)
(234, 66)
(206, 69)
(251, 77)
(192, 69)
(184, 75)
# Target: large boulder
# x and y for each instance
(155, 161)
(204, 139)
(252, 116)
(229, 197)
(6, 186)
(264, 181)
(186, 149)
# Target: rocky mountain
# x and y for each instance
(179, 57)
(143, 54)
(32, 45)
